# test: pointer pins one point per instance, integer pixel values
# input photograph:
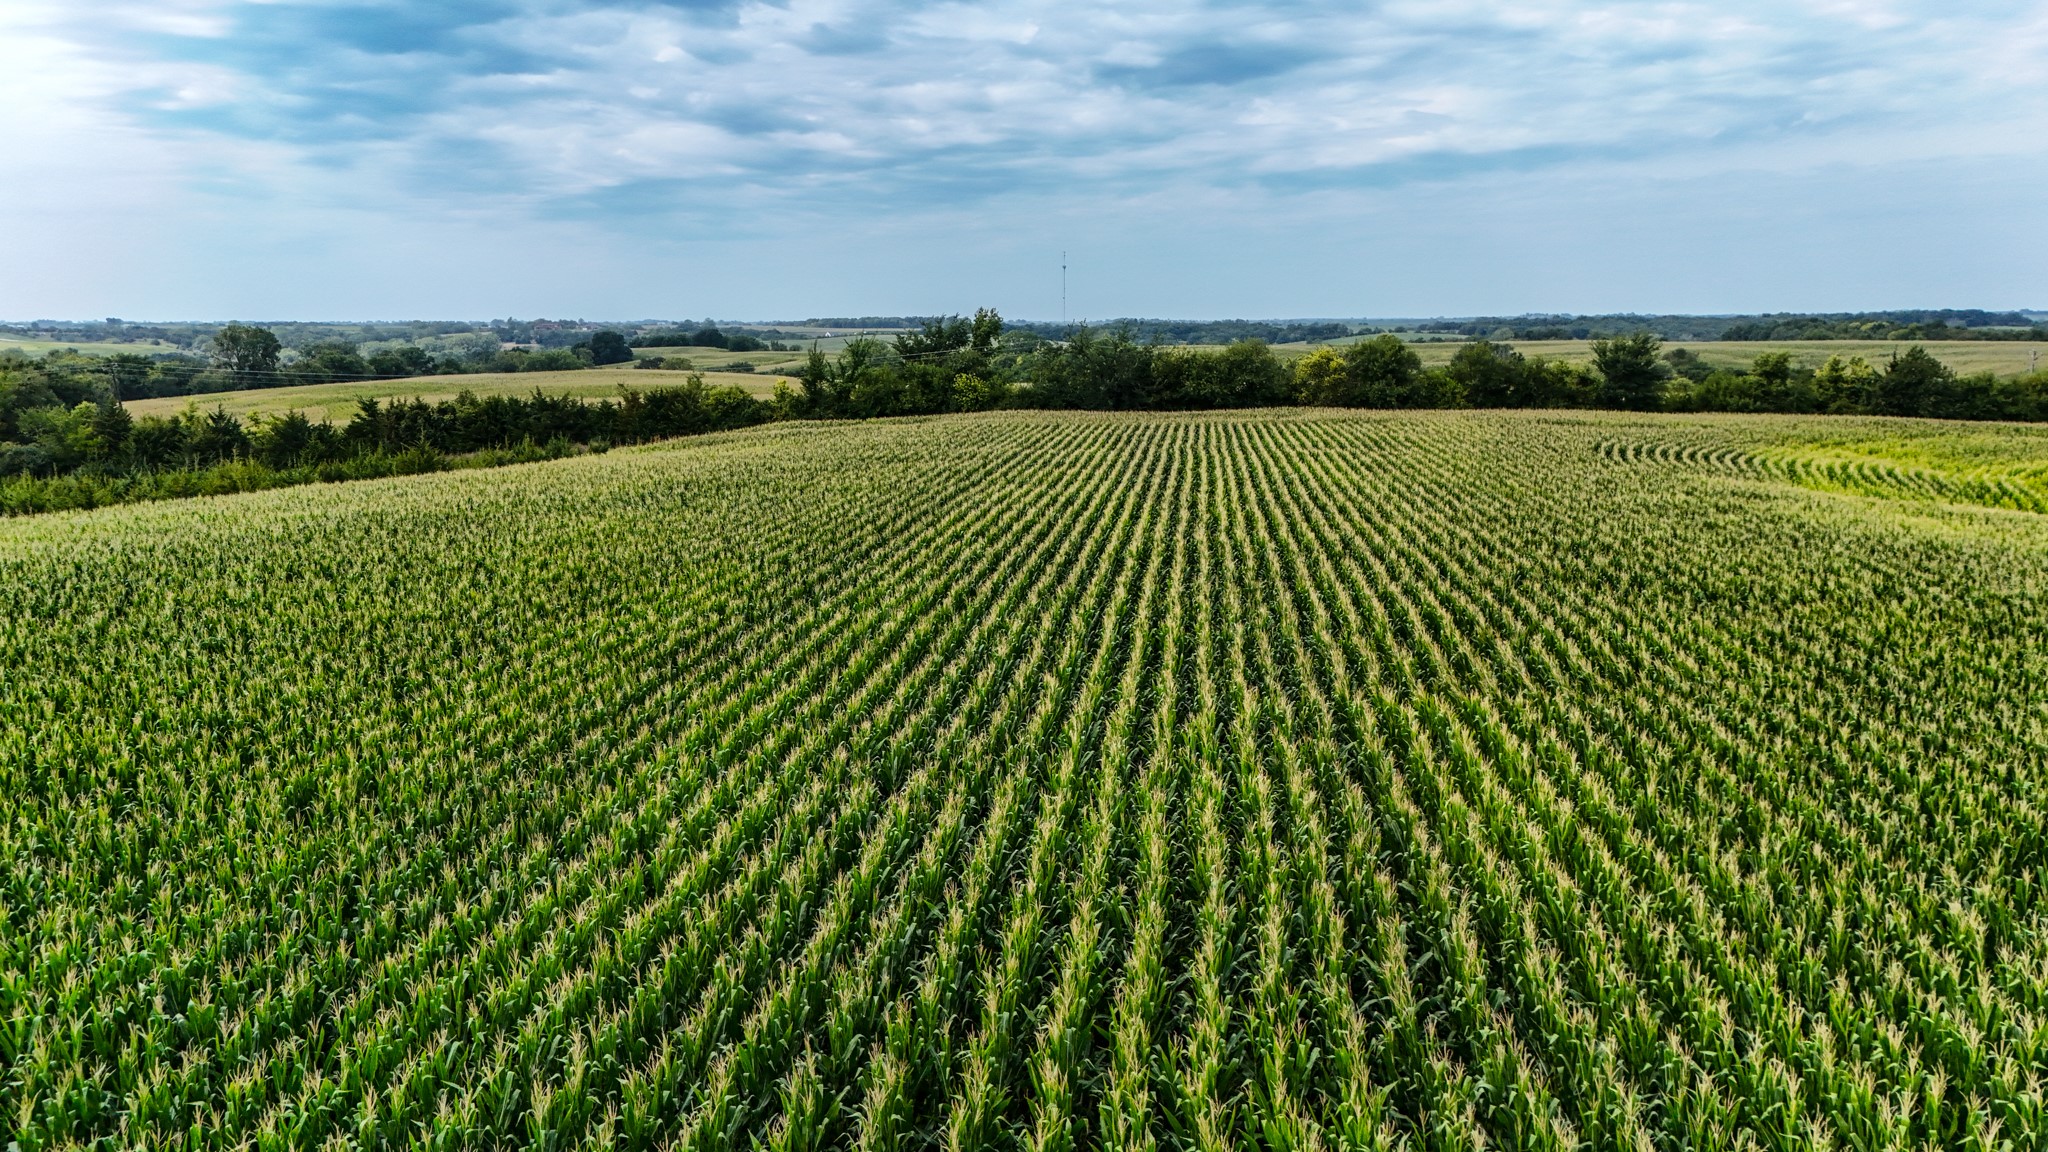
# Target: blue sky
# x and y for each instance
(368, 159)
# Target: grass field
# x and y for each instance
(2006, 358)
(337, 402)
(1033, 781)
(711, 359)
(38, 348)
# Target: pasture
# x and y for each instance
(2003, 357)
(1267, 780)
(2000, 357)
(712, 359)
(37, 348)
(336, 403)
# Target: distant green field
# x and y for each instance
(2006, 358)
(711, 359)
(715, 357)
(337, 402)
(41, 347)
(818, 338)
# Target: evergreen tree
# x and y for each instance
(1913, 384)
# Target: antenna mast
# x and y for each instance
(1063, 287)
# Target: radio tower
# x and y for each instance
(1063, 288)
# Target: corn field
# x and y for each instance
(1293, 780)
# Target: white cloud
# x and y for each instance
(773, 120)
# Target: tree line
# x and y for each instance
(67, 440)
(1902, 325)
(240, 357)
(1880, 328)
(94, 452)
(1212, 331)
(250, 356)
(957, 364)
(709, 336)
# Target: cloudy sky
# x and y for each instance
(602, 158)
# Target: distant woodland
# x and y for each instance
(67, 440)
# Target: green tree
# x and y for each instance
(510, 360)
(866, 379)
(247, 352)
(935, 338)
(860, 382)
(129, 374)
(1319, 377)
(1383, 372)
(17, 459)
(1726, 391)
(1913, 384)
(609, 348)
(216, 435)
(1845, 384)
(1490, 375)
(2026, 398)
(1093, 369)
(1557, 384)
(975, 394)
(820, 397)
(155, 442)
(328, 362)
(1688, 364)
(1244, 375)
(284, 441)
(988, 328)
(1783, 388)
(405, 360)
(1773, 368)
(552, 360)
(64, 434)
(21, 392)
(111, 425)
(1631, 372)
